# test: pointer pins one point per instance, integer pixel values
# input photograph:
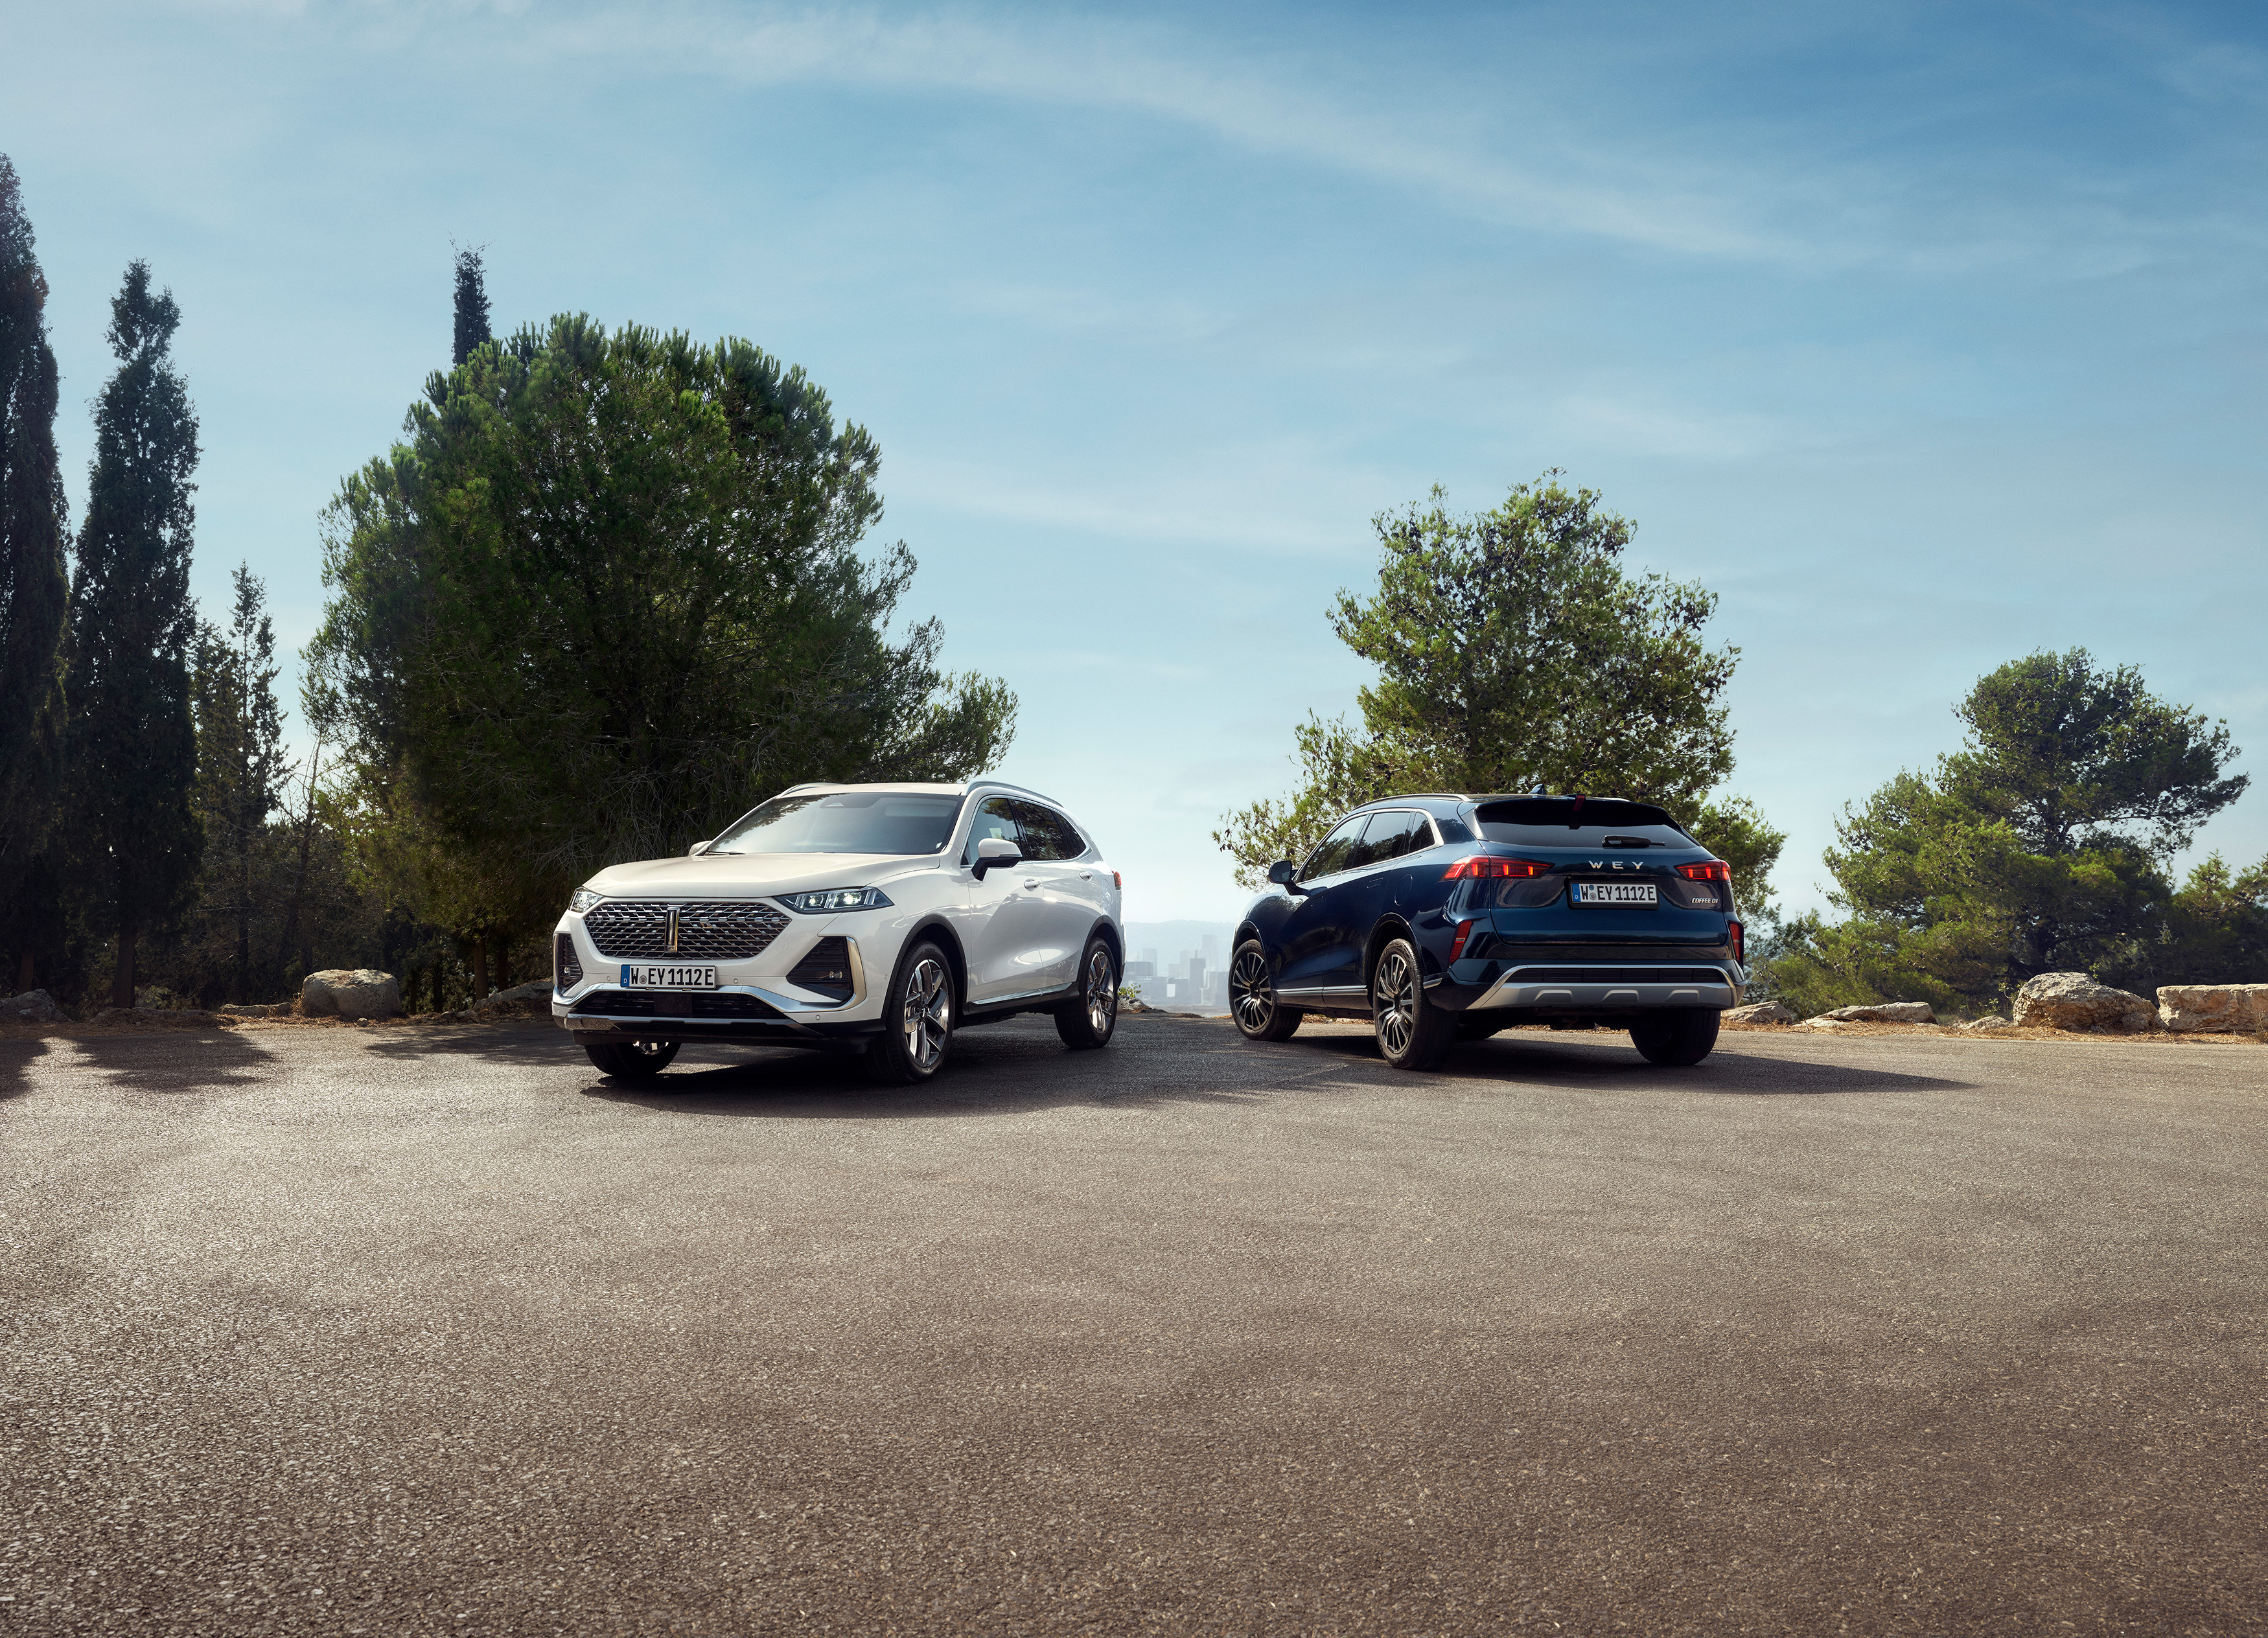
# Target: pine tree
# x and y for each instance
(133, 760)
(472, 306)
(34, 586)
(240, 763)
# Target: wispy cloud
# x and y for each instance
(1087, 62)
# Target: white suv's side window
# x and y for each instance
(995, 817)
(1048, 835)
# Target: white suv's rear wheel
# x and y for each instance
(1087, 1022)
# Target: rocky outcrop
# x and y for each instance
(1984, 1027)
(259, 1010)
(521, 1000)
(2073, 1001)
(350, 993)
(1762, 1012)
(34, 1006)
(2213, 1009)
(1881, 1012)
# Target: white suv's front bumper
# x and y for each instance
(587, 1005)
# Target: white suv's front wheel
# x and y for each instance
(632, 1061)
(917, 1019)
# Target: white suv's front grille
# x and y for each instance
(638, 929)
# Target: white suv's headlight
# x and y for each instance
(584, 899)
(830, 898)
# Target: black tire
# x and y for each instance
(1252, 996)
(917, 1015)
(1087, 1023)
(1413, 1033)
(632, 1061)
(1681, 1037)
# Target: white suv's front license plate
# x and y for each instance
(1615, 892)
(669, 978)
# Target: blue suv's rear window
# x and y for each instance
(1560, 822)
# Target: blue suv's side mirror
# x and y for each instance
(1285, 875)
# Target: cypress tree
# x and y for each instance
(34, 587)
(133, 762)
(240, 762)
(472, 306)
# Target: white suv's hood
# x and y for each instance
(750, 875)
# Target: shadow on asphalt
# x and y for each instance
(167, 1063)
(1605, 1059)
(17, 1058)
(1004, 1074)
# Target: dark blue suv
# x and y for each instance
(1443, 918)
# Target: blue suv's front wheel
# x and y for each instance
(1252, 999)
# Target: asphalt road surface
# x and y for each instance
(391, 1332)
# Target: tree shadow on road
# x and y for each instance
(17, 1058)
(166, 1062)
(1608, 1059)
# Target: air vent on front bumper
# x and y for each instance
(638, 929)
(566, 971)
(826, 969)
(622, 1003)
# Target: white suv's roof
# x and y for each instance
(960, 789)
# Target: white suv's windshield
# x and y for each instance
(845, 821)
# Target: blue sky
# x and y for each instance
(1925, 335)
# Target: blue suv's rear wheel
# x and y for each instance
(1413, 1033)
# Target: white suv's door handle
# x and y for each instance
(1031, 881)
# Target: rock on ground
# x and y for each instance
(2073, 1001)
(1984, 1025)
(520, 999)
(1884, 1012)
(2213, 1009)
(350, 993)
(1762, 1012)
(34, 1006)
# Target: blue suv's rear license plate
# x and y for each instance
(1615, 892)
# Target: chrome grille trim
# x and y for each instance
(708, 929)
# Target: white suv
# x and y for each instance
(874, 917)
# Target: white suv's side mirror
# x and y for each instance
(995, 853)
(696, 850)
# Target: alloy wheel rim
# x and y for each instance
(1393, 999)
(928, 1013)
(1101, 994)
(1253, 999)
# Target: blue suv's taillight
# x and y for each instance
(1482, 866)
